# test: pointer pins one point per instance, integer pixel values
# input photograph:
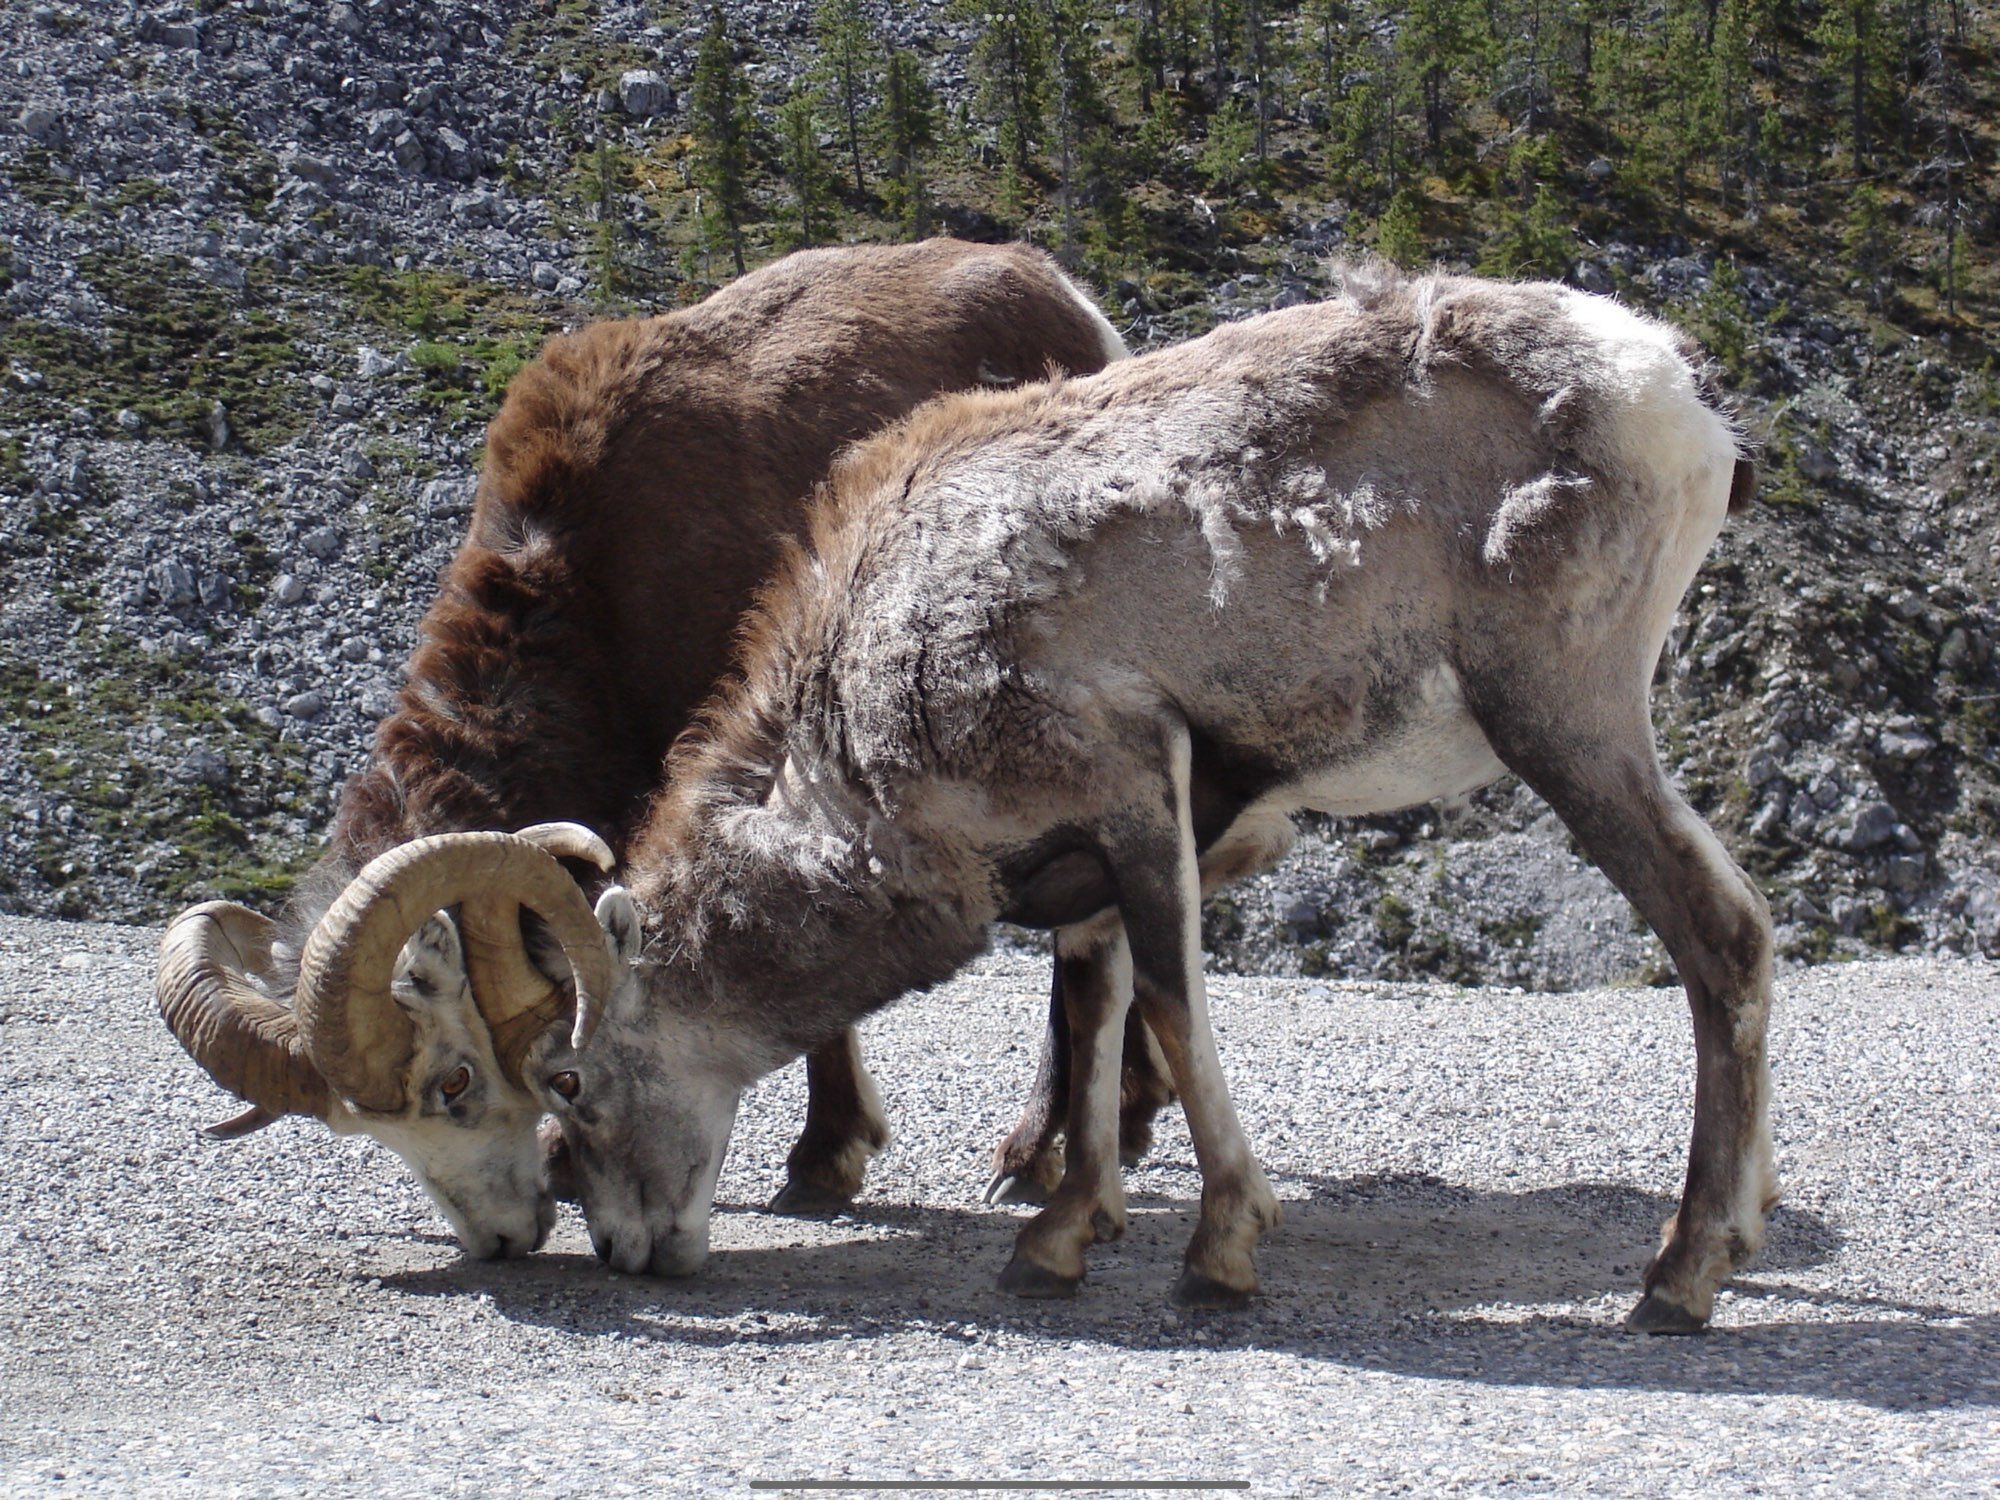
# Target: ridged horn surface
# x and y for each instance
(353, 1028)
(243, 1039)
(570, 841)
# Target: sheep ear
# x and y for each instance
(618, 915)
(433, 964)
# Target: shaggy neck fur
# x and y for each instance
(782, 902)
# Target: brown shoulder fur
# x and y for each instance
(641, 479)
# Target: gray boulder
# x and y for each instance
(644, 93)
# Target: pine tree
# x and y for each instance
(1870, 242)
(1684, 128)
(610, 178)
(1082, 119)
(1861, 48)
(804, 168)
(1149, 53)
(1264, 58)
(906, 127)
(1010, 64)
(847, 50)
(1442, 43)
(1739, 128)
(1225, 155)
(1399, 232)
(721, 128)
(1221, 42)
(1533, 237)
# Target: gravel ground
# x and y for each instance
(1472, 1179)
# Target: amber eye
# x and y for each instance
(565, 1083)
(456, 1082)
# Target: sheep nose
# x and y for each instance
(678, 1253)
(507, 1246)
(621, 1254)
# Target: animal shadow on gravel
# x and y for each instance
(1405, 1274)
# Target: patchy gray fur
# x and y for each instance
(1054, 646)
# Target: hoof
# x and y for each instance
(1135, 1139)
(805, 1200)
(1655, 1314)
(1023, 1278)
(1200, 1293)
(1014, 1187)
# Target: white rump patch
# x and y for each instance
(1113, 346)
(1662, 425)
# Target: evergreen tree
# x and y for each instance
(1082, 118)
(1158, 134)
(1723, 323)
(1399, 232)
(1149, 53)
(721, 127)
(1221, 42)
(804, 168)
(907, 129)
(610, 178)
(1442, 41)
(847, 50)
(1869, 241)
(1533, 237)
(1856, 44)
(1263, 60)
(1683, 129)
(1010, 63)
(1225, 155)
(1739, 127)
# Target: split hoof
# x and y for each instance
(806, 1200)
(1199, 1293)
(1024, 1278)
(1014, 1187)
(1135, 1139)
(1655, 1314)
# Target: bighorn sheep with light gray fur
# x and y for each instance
(1057, 656)
(640, 481)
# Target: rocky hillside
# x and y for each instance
(267, 267)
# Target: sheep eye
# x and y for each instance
(456, 1082)
(566, 1083)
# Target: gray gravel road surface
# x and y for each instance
(1472, 1180)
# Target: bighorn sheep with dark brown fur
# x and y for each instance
(1057, 656)
(639, 483)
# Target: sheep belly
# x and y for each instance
(1436, 750)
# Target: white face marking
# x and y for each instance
(648, 1121)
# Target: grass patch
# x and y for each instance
(172, 347)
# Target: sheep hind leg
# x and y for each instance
(1144, 1089)
(844, 1127)
(1088, 1205)
(1606, 784)
(1156, 871)
(1028, 1164)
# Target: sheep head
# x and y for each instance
(406, 1026)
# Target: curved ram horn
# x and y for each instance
(517, 1000)
(255, 1118)
(570, 841)
(243, 1039)
(356, 1032)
